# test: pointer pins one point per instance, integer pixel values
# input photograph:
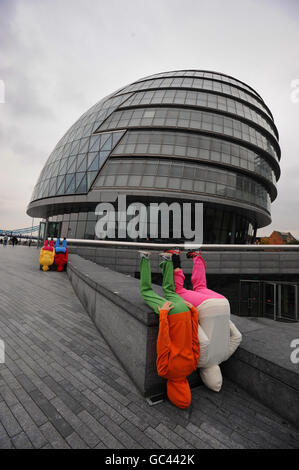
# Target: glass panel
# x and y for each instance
(94, 164)
(90, 230)
(108, 144)
(61, 187)
(81, 162)
(80, 231)
(72, 229)
(71, 167)
(90, 177)
(95, 142)
(71, 187)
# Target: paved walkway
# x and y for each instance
(62, 387)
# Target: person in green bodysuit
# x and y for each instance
(177, 343)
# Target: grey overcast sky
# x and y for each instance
(59, 57)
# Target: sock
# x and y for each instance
(176, 260)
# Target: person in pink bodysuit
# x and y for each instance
(200, 292)
(218, 336)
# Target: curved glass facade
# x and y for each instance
(190, 135)
(204, 74)
(198, 84)
(189, 119)
(75, 173)
(201, 100)
(169, 175)
(197, 147)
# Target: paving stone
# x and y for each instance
(173, 436)
(76, 442)
(30, 428)
(26, 382)
(205, 437)
(7, 395)
(220, 436)
(50, 411)
(21, 441)
(60, 391)
(83, 400)
(6, 443)
(139, 436)
(31, 407)
(120, 434)
(191, 438)
(104, 406)
(76, 423)
(3, 433)
(9, 421)
(104, 435)
(53, 436)
(159, 438)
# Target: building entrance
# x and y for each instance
(277, 300)
(250, 298)
(48, 230)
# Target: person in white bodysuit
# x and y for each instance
(218, 336)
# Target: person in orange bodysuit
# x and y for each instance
(177, 343)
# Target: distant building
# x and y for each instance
(279, 238)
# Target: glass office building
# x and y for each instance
(183, 136)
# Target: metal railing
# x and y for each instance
(185, 246)
(19, 231)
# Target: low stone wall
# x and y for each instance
(224, 269)
(247, 264)
(126, 322)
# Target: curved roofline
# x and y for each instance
(122, 91)
(212, 71)
(215, 79)
(212, 92)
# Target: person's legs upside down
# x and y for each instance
(177, 343)
(198, 277)
(168, 287)
(147, 293)
(195, 298)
